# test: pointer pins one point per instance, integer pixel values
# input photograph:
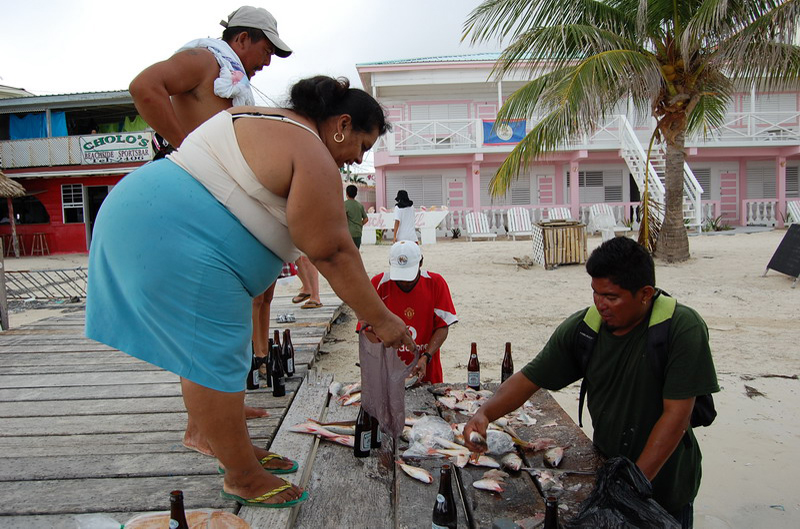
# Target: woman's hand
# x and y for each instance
(393, 332)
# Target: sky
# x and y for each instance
(68, 46)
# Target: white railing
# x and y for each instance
(47, 152)
(739, 128)
(748, 128)
(760, 212)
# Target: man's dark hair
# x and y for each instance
(351, 191)
(624, 262)
(255, 34)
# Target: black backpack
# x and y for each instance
(661, 313)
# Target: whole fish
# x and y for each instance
(346, 440)
(340, 428)
(351, 399)
(502, 422)
(495, 474)
(483, 461)
(458, 457)
(552, 457)
(488, 484)
(450, 444)
(547, 480)
(312, 428)
(512, 461)
(405, 435)
(415, 472)
(543, 443)
(350, 389)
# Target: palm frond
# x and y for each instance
(712, 105)
(652, 211)
(565, 44)
(508, 19)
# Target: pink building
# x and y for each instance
(443, 151)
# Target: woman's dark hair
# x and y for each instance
(624, 262)
(402, 199)
(322, 97)
(256, 35)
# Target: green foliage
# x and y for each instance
(716, 224)
(379, 236)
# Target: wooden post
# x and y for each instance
(3, 299)
(14, 241)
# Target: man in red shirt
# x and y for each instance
(422, 299)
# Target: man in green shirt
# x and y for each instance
(634, 413)
(356, 215)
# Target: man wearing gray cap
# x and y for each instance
(200, 80)
(207, 75)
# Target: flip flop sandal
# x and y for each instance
(259, 501)
(301, 297)
(311, 305)
(266, 459)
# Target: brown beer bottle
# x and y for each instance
(444, 510)
(276, 338)
(253, 376)
(177, 516)
(266, 363)
(507, 368)
(288, 353)
(363, 437)
(278, 381)
(551, 513)
(474, 369)
(376, 435)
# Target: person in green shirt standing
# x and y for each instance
(356, 214)
(635, 413)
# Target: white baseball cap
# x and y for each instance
(404, 259)
(258, 18)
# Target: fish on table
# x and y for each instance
(415, 472)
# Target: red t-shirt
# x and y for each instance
(426, 308)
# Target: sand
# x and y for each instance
(750, 452)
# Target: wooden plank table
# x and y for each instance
(345, 491)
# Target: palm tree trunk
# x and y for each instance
(673, 241)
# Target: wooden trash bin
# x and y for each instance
(559, 242)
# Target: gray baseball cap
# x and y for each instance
(258, 18)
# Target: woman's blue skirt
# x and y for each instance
(172, 274)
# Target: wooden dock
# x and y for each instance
(85, 428)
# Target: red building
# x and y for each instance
(67, 151)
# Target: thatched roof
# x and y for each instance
(10, 188)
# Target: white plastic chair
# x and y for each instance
(793, 210)
(478, 226)
(601, 219)
(519, 223)
(559, 214)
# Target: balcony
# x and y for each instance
(740, 129)
(72, 150)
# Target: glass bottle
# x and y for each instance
(253, 376)
(363, 437)
(288, 353)
(474, 369)
(445, 514)
(278, 381)
(507, 369)
(376, 434)
(551, 513)
(177, 515)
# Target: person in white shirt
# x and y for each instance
(404, 229)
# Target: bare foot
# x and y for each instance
(194, 443)
(249, 487)
(255, 413)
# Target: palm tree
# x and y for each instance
(678, 60)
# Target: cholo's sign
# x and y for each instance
(116, 148)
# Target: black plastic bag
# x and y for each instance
(622, 499)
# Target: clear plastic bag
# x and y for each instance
(499, 442)
(431, 426)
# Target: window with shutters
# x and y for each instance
(518, 195)
(703, 176)
(423, 190)
(792, 183)
(760, 182)
(434, 124)
(597, 187)
(72, 203)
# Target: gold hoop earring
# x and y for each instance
(338, 137)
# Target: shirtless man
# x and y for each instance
(203, 78)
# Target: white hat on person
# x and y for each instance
(404, 259)
(258, 18)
